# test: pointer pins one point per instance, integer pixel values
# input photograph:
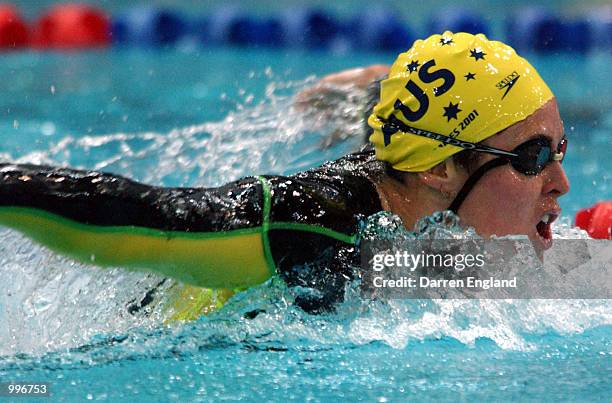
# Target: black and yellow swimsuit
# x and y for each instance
(231, 237)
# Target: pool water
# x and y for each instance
(201, 118)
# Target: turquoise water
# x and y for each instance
(562, 368)
(188, 117)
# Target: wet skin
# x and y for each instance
(506, 202)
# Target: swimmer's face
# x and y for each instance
(506, 202)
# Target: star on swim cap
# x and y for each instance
(459, 85)
(413, 66)
(477, 54)
(451, 111)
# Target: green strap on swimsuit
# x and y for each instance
(265, 227)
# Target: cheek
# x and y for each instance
(503, 202)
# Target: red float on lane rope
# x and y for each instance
(13, 30)
(596, 220)
(72, 26)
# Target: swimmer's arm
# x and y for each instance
(205, 237)
(339, 103)
(331, 87)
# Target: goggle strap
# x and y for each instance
(491, 150)
(475, 177)
(393, 125)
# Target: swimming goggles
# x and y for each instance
(529, 158)
(532, 156)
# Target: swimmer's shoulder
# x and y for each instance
(361, 163)
(348, 183)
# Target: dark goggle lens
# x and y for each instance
(535, 154)
(532, 156)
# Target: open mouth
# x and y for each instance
(544, 227)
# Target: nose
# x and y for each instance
(557, 183)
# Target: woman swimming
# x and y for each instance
(463, 123)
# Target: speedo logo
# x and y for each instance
(508, 82)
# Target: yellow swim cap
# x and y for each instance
(458, 85)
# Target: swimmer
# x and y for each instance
(462, 123)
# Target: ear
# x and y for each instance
(446, 177)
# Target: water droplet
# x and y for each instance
(47, 129)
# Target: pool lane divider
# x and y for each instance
(13, 29)
(84, 26)
(72, 26)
